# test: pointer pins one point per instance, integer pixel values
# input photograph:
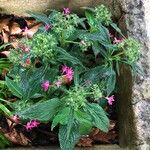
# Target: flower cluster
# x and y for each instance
(110, 99)
(76, 97)
(32, 124)
(42, 46)
(67, 72)
(67, 77)
(103, 14)
(45, 85)
(131, 49)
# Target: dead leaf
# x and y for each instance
(17, 137)
(31, 31)
(103, 137)
(5, 35)
(31, 22)
(112, 124)
(15, 29)
(85, 142)
(4, 24)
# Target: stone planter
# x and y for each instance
(20, 7)
(134, 97)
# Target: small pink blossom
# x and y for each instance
(45, 85)
(58, 83)
(64, 69)
(68, 72)
(47, 27)
(69, 77)
(26, 49)
(32, 124)
(28, 126)
(35, 123)
(66, 11)
(110, 99)
(117, 41)
(16, 118)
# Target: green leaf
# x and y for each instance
(39, 16)
(117, 29)
(13, 87)
(5, 110)
(68, 142)
(62, 117)
(31, 80)
(3, 141)
(95, 74)
(64, 55)
(76, 76)
(103, 103)
(99, 118)
(97, 48)
(43, 111)
(90, 18)
(104, 32)
(111, 81)
(85, 122)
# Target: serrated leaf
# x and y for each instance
(104, 32)
(95, 74)
(13, 87)
(39, 16)
(43, 111)
(111, 82)
(84, 119)
(99, 118)
(64, 55)
(62, 117)
(68, 142)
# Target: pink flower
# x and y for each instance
(64, 69)
(28, 126)
(32, 124)
(58, 83)
(16, 118)
(68, 72)
(117, 41)
(69, 77)
(26, 49)
(110, 99)
(47, 27)
(35, 123)
(66, 11)
(45, 85)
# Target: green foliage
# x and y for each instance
(42, 111)
(3, 141)
(73, 98)
(14, 87)
(98, 115)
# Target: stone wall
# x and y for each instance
(137, 16)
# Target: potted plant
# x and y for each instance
(66, 74)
